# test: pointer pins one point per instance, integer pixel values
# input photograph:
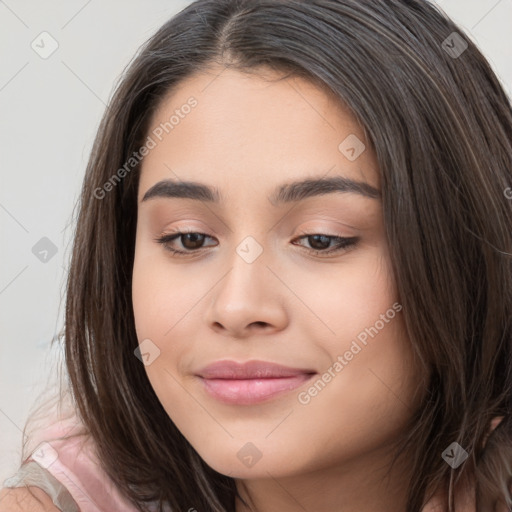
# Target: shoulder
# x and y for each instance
(26, 499)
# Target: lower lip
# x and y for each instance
(252, 391)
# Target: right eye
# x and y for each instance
(190, 240)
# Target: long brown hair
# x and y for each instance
(441, 126)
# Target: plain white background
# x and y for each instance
(50, 110)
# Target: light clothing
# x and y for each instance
(69, 472)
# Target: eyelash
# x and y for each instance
(343, 243)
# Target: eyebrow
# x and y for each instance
(286, 193)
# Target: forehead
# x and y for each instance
(233, 129)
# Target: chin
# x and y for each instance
(247, 460)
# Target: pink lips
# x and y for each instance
(250, 382)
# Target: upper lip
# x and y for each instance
(249, 370)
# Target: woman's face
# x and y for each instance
(253, 286)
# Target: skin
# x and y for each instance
(21, 499)
(246, 136)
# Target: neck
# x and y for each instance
(362, 485)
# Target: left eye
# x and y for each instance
(324, 242)
(192, 241)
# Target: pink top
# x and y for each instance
(72, 463)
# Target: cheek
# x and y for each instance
(359, 326)
(163, 293)
(167, 311)
(163, 303)
(345, 298)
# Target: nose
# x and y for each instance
(248, 298)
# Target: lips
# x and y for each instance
(250, 382)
